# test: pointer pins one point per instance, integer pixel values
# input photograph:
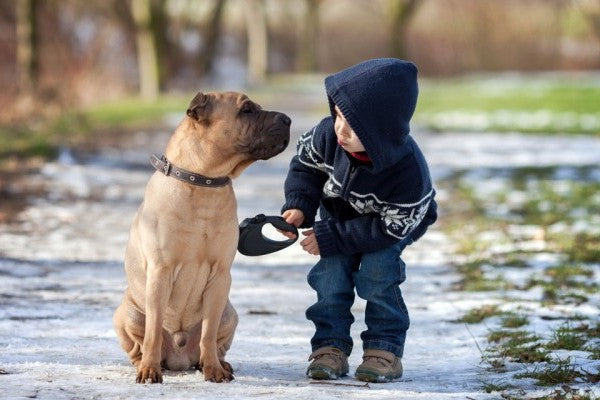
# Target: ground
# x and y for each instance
(62, 278)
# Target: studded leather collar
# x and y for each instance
(163, 165)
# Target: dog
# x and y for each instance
(176, 312)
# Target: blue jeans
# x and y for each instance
(376, 277)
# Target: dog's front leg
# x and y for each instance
(158, 291)
(214, 301)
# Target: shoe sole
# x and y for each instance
(367, 376)
(322, 374)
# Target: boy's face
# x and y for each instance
(345, 135)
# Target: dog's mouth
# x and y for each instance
(265, 145)
(264, 151)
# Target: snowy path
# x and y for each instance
(61, 278)
(57, 338)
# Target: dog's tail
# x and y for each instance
(180, 338)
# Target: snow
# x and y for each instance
(519, 120)
(62, 278)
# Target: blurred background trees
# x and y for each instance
(60, 53)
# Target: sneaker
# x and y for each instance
(327, 363)
(379, 366)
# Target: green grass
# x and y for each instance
(524, 354)
(594, 350)
(27, 140)
(558, 372)
(512, 337)
(526, 348)
(592, 331)
(518, 94)
(567, 338)
(134, 111)
(514, 321)
(474, 279)
(525, 104)
(564, 393)
(494, 387)
(477, 315)
(548, 203)
(518, 346)
(475, 225)
(565, 284)
(528, 104)
(583, 247)
(560, 213)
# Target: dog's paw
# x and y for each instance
(226, 366)
(217, 373)
(149, 374)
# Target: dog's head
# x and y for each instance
(237, 124)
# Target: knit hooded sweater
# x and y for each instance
(364, 207)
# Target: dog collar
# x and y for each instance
(163, 165)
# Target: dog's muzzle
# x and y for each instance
(274, 139)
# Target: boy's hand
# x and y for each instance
(310, 244)
(294, 217)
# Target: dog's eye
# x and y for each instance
(247, 108)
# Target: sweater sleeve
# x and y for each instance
(429, 219)
(307, 174)
(375, 231)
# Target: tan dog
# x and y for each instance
(176, 311)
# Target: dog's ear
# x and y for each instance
(198, 107)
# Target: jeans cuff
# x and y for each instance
(338, 344)
(382, 345)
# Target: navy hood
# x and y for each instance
(378, 98)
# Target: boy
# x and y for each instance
(372, 186)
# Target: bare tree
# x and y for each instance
(146, 50)
(256, 28)
(401, 11)
(591, 9)
(159, 24)
(27, 55)
(307, 52)
(211, 37)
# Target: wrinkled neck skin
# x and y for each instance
(197, 153)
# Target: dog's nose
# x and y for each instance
(283, 119)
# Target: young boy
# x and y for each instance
(372, 186)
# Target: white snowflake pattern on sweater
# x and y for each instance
(399, 219)
(308, 154)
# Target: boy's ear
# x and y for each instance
(198, 107)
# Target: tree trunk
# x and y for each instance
(27, 57)
(256, 28)
(401, 12)
(159, 24)
(146, 50)
(211, 38)
(591, 10)
(307, 52)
